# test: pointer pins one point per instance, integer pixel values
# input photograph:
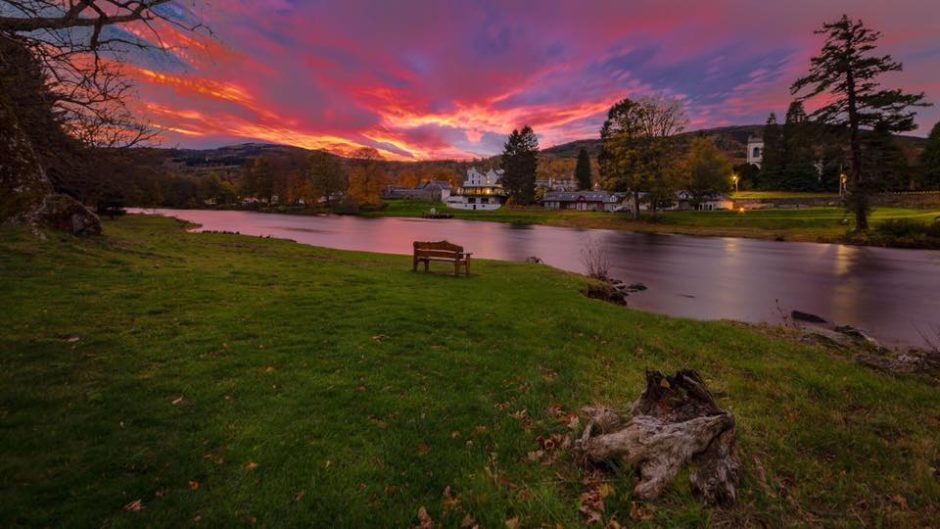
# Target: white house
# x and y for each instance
(755, 151)
(479, 191)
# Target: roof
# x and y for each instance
(576, 196)
(434, 184)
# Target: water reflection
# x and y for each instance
(885, 291)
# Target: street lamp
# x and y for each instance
(734, 180)
(842, 181)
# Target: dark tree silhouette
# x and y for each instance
(520, 162)
(847, 71)
(582, 170)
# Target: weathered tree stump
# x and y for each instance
(674, 423)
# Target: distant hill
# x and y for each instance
(556, 161)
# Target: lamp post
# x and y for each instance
(734, 180)
(842, 182)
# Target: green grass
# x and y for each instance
(142, 363)
(783, 194)
(816, 224)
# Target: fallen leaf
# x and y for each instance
(423, 448)
(193, 485)
(638, 513)
(73, 339)
(512, 523)
(134, 506)
(535, 455)
(379, 338)
(605, 490)
(177, 400)
(450, 501)
(468, 522)
(455, 434)
(424, 519)
(251, 465)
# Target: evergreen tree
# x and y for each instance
(847, 71)
(771, 169)
(930, 160)
(582, 170)
(884, 162)
(520, 162)
(798, 169)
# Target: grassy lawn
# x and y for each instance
(231, 381)
(817, 224)
(782, 194)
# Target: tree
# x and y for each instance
(884, 162)
(846, 71)
(638, 151)
(771, 169)
(520, 163)
(708, 170)
(61, 45)
(930, 160)
(365, 178)
(582, 170)
(798, 169)
(327, 176)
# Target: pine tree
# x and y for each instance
(847, 71)
(884, 162)
(520, 162)
(582, 170)
(771, 169)
(930, 160)
(798, 169)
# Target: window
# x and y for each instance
(756, 152)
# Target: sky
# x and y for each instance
(420, 80)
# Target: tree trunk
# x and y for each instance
(26, 193)
(636, 204)
(858, 195)
(674, 423)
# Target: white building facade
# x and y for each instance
(755, 151)
(480, 191)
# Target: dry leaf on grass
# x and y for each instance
(134, 506)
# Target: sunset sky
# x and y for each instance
(449, 79)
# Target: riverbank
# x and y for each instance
(816, 224)
(225, 380)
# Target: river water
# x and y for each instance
(893, 294)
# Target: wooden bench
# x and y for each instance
(441, 251)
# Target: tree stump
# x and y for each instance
(674, 423)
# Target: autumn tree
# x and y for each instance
(846, 72)
(327, 176)
(930, 160)
(582, 170)
(365, 178)
(707, 169)
(520, 163)
(638, 148)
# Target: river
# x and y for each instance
(893, 294)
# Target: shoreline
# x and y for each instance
(790, 225)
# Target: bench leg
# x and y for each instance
(427, 262)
